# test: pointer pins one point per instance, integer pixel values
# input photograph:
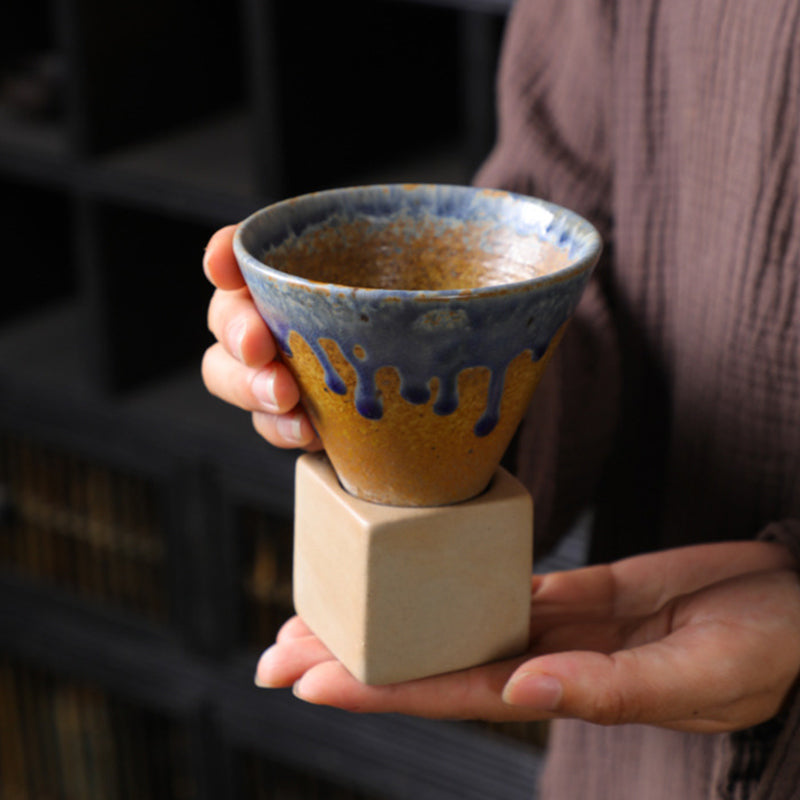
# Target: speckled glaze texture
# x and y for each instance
(417, 320)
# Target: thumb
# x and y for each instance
(646, 684)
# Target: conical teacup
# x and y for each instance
(417, 320)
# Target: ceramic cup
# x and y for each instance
(417, 320)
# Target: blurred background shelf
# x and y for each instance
(145, 529)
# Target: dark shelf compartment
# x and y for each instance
(140, 68)
(22, 136)
(32, 77)
(213, 155)
(37, 228)
(147, 289)
(360, 86)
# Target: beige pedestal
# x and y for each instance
(403, 593)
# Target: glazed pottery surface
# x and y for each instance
(417, 320)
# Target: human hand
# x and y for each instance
(242, 367)
(703, 638)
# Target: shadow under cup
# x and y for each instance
(417, 320)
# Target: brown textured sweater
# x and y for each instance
(673, 407)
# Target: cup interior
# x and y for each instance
(411, 255)
(416, 238)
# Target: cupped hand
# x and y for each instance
(703, 638)
(243, 367)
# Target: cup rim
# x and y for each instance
(590, 242)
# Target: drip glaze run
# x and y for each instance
(489, 335)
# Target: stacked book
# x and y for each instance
(65, 740)
(83, 527)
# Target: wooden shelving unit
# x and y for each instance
(144, 527)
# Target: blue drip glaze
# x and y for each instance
(447, 399)
(332, 379)
(487, 423)
(416, 395)
(489, 334)
(368, 403)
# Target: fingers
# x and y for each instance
(219, 262)
(270, 393)
(302, 661)
(287, 430)
(293, 628)
(643, 583)
(269, 389)
(282, 664)
(235, 322)
(467, 694)
(599, 688)
(296, 649)
(299, 659)
(651, 685)
(241, 368)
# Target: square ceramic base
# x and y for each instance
(404, 593)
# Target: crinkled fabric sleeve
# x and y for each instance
(763, 762)
(553, 143)
(780, 779)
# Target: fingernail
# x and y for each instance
(236, 332)
(538, 692)
(298, 692)
(264, 390)
(290, 428)
(261, 678)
